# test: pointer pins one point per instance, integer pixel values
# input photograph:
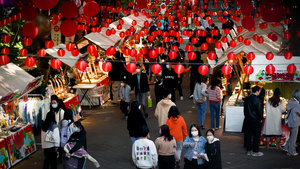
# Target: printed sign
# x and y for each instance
(4, 158)
(278, 76)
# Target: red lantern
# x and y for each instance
(30, 30)
(111, 51)
(272, 10)
(269, 55)
(61, 52)
(175, 48)
(209, 40)
(179, 39)
(218, 45)
(226, 69)
(4, 59)
(81, 65)
(204, 46)
(69, 9)
(91, 9)
(27, 41)
(55, 63)
(119, 27)
(29, 61)
(188, 48)
(143, 51)
(291, 68)
(153, 53)
(263, 25)
(224, 39)
(108, 32)
(287, 35)
(70, 46)
(274, 38)
(248, 22)
(6, 38)
(179, 69)
(91, 49)
(49, 44)
(298, 33)
(131, 29)
(288, 55)
(166, 39)
(203, 69)
(121, 21)
(45, 5)
(23, 52)
(255, 37)
(28, 13)
(286, 21)
(247, 42)
(106, 66)
(131, 67)
(75, 52)
(248, 70)
(156, 68)
(122, 34)
(232, 43)
(231, 56)
(127, 51)
(5, 50)
(189, 33)
(192, 55)
(226, 31)
(133, 53)
(172, 54)
(134, 22)
(42, 52)
(260, 40)
(211, 55)
(270, 69)
(159, 50)
(247, 8)
(250, 56)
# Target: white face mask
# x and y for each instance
(122, 84)
(167, 66)
(54, 106)
(194, 133)
(171, 40)
(170, 96)
(149, 45)
(138, 70)
(210, 137)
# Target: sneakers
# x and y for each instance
(249, 153)
(295, 154)
(218, 127)
(191, 96)
(181, 97)
(257, 154)
(284, 149)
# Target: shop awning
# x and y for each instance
(68, 59)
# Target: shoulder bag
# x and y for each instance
(49, 135)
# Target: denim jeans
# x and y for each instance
(201, 108)
(133, 139)
(214, 108)
(179, 145)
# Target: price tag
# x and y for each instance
(9, 107)
(25, 98)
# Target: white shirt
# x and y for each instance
(144, 153)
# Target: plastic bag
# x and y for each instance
(149, 101)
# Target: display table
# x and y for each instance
(84, 93)
(234, 118)
(4, 157)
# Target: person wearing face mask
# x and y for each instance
(170, 79)
(163, 107)
(125, 98)
(141, 88)
(213, 151)
(79, 139)
(195, 149)
(56, 108)
(148, 59)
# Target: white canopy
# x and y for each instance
(68, 59)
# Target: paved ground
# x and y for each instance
(109, 142)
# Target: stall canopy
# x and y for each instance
(68, 59)
(255, 47)
(104, 41)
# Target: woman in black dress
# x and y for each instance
(213, 151)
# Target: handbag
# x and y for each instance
(49, 137)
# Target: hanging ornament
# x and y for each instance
(203, 70)
(111, 51)
(81, 65)
(172, 54)
(153, 53)
(91, 9)
(55, 63)
(5, 51)
(4, 59)
(211, 55)
(179, 69)
(260, 40)
(240, 38)
(6, 38)
(29, 61)
(269, 55)
(23, 52)
(231, 56)
(42, 52)
(250, 56)
(204, 46)
(248, 69)
(224, 39)
(288, 55)
(175, 48)
(69, 9)
(226, 69)
(131, 67)
(70, 46)
(75, 52)
(272, 10)
(192, 55)
(248, 22)
(179, 39)
(156, 68)
(218, 45)
(49, 44)
(159, 50)
(270, 69)
(188, 48)
(106, 66)
(61, 52)
(247, 42)
(291, 68)
(30, 30)
(143, 50)
(232, 43)
(133, 53)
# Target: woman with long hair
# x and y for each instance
(50, 128)
(57, 108)
(214, 97)
(135, 122)
(166, 146)
(213, 151)
(272, 126)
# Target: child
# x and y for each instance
(125, 98)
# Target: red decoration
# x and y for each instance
(248, 22)
(133, 53)
(134, 22)
(159, 50)
(61, 52)
(27, 41)
(68, 28)
(42, 52)
(269, 55)
(156, 68)
(75, 52)
(29, 61)
(211, 55)
(131, 29)
(188, 48)
(192, 55)
(291, 68)
(272, 10)
(247, 8)
(55, 63)
(274, 38)
(288, 55)
(179, 69)
(203, 69)
(298, 34)
(204, 46)
(28, 13)
(131, 67)
(69, 9)
(232, 43)
(49, 44)
(231, 56)
(248, 70)
(172, 54)
(5, 50)
(122, 34)
(70, 46)
(4, 59)
(260, 40)
(250, 56)
(270, 69)
(153, 53)
(91, 49)
(142, 51)
(240, 38)
(247, 42)
(30, 30)
(263, 25)
(91, 9)
(218, 45)
(106, 66)
(179, 39)
(23, 52)
(166, 39)
(81, 65)
(6, 38)
(226, 69)
(287, 35)
(208, 40)
(224, 39)
(45, 4)
(255, 37)
(175, 48)
(226, 31)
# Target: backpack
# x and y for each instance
(65, 134)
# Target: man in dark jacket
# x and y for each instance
(170, 80)
(253, 122)
(140, 87)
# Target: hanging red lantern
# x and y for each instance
(263, 25)
(111, 51)
(240, 38)
(224, 39)
(291, 68)
(23, 52)
(126, 51)
(121, 21)
(108, 32)
(6, 38)
(42, 52)
(269, 55)
(248, 22)
(255, 37)
(106, 66)
(153, 53)
(179, 69)
(131, 67)
(250, 56)
(81, 65)
(247, 42)
(192, 55)
(131, 29)
(203, 70)
(143, 50)
(29, 61)
(28, 13)
(179, 39)
(61, 52)
(270, 35)
(134, 22)
(5, 51)
(159, 50)
(91, 49)
(231, 56)
(119, 27)
(69, 9)
(226, 31)
(260, 40)
(55, 63)
(247, 8)
(287, 35)
(49, 44)
(122, 34)
(204, 46)
(232, 43)
(4, 59)
(211, 55)
(30, 30)
(166, 39)
(91, 9)
(288, 55)
(45, 5)
(27, 41)
(188, 48)
(75, 52)
(298, 33)
(156, 68)
(209, 40)
(70, 46)
(133, 53)
(248, 70)
(218, 45)
(175, 48)
(184, 32)
(172, 54)
(274, 38)
(272, 10)
(270, 69)
(226, 69)
(165, 33)
(286, 21)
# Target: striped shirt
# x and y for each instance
(214, 95)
